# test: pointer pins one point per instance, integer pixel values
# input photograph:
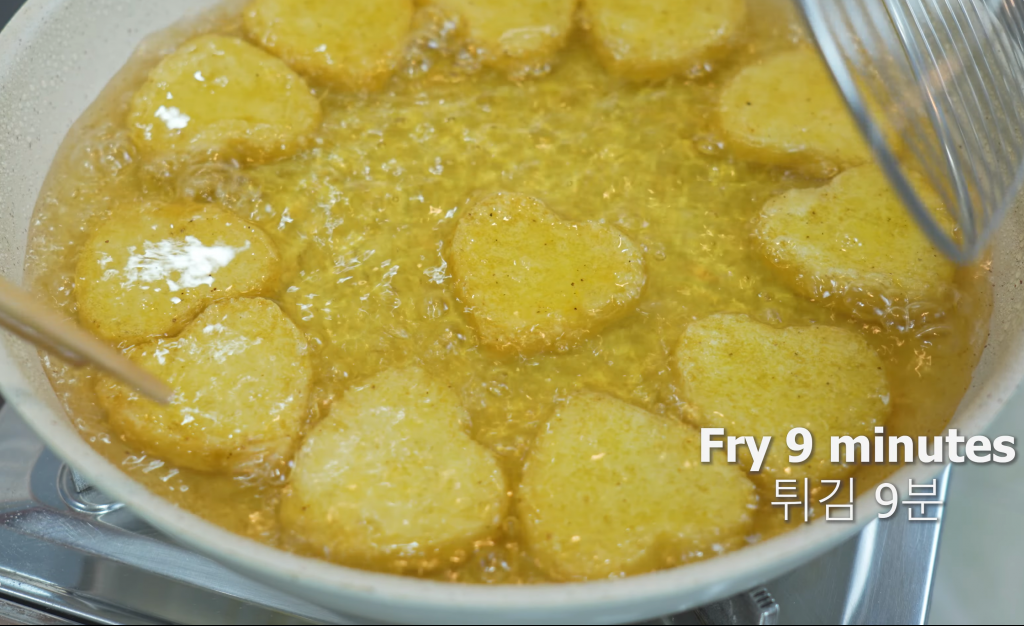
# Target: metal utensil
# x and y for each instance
(937, 87)
(26, 317)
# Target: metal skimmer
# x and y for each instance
(937, 87)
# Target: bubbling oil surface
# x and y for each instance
(362, 221)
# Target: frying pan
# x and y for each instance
(56, 56)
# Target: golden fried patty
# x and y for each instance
(852, 241)
(655, 39)
(220, 98)
(755, 380)
(241, 376)
(351, 44)
(610, 489)
(514, 35)
(531, 280)
(146, 271)
(392, 472)
(786, 110)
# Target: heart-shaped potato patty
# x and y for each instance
(147, 271)
(655, 39)
(852, 243)
(532, 281)
(610, 489)
(392, 472)
(220, 98)
(353, 44)
(786, 110)
(515, 35)
(241, 374)
(755, 380)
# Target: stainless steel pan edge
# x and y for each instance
(56, 56)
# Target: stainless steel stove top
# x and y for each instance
(70, 555)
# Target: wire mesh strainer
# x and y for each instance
(937, 87)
